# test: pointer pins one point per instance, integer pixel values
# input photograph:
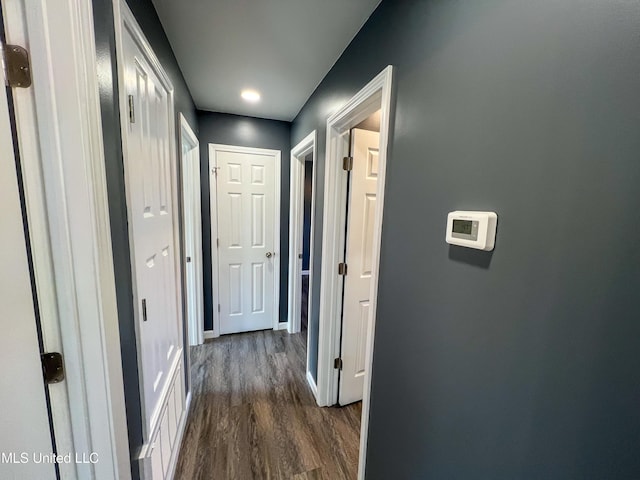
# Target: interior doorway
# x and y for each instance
(192, 228)
(301, 247)
(351, 248)
(306, 241)
(360, 207)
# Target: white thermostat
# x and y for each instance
(472, 229)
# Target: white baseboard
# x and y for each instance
(282, 325)
(209, 334)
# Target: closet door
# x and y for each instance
(150, 184)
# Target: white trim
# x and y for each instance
(282, 326)
(213, 215)
(312, 384)
(66, 189)
(375, 95)
(213, 194)
(189, 138)
(208, 334)
(305, 273)
(296, 222)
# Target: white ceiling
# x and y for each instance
(282, 48)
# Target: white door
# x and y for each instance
(247, 234)
(149, 183)
(192, 236)
(24, 419)
(359, 258)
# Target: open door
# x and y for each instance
(24, 415)
(359, 258)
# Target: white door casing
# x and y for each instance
(246, 206)
(190, 152)
(296, 223)
(24, 417)
(376, 95)
(359, 259)
(150, 185)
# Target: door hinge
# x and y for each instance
(52, 367)
(218, 242)
(218, 308)
(188, 259)
(337, 363)
(132, 110)
(16, 65)
(342, 269)
(347, 163)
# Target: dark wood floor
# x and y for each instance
(253, 415)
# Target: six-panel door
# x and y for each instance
(359, 258)
(246, 232)
(151, 222)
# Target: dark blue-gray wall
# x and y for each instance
(252, 132)
(105, 44)
(306, 217)
(522, 363)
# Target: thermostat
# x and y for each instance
(472, 229)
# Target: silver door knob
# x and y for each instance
(269, 254)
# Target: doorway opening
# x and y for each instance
(352, 224)
(192, 228)
(362, 180)
(301, 234)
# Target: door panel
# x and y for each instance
(151, 216)
(359, 258)
(24, 418)
(246, 232)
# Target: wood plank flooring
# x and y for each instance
(253, 415)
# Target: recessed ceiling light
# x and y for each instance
(250, 95)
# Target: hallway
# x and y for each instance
(254, 417)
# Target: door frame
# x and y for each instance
(195, 325)
(213, 196)
(58, 122)
(376, 95)
(296, 224)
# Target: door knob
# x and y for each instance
(269, 254)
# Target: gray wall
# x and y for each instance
(245, 132)
(306, 218)
(105, 43)
(521, 363)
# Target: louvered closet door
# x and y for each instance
(151, 217)
(246, 230)
(359, 258)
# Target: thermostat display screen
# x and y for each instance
(472, 229)
(462, 226)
